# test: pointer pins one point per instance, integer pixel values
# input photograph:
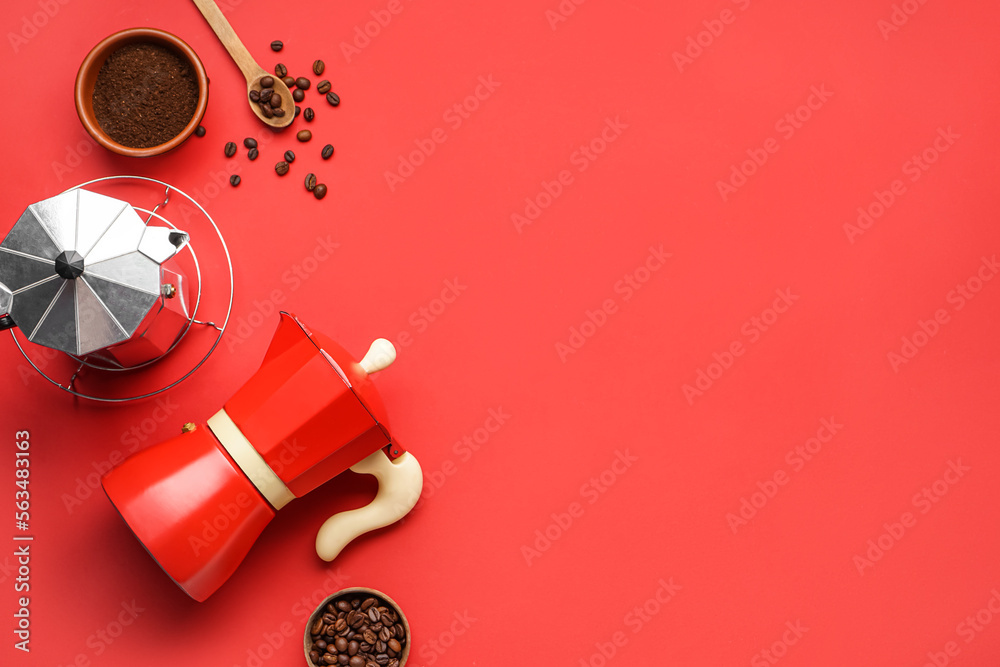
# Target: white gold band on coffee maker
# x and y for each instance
(249, 460)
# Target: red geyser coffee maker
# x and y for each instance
(198, 502)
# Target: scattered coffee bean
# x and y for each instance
(298, 95)
(302, 83)
(290, 158)
(288, 81)
(309, 114)
(323, 87)
(277, 45)
(304, 135)
(281, 168)
(318, 67)
(327, 152)
(199, 131)
(230, 149)
(298, 110)
(319, 192)
(267, 82)
(333, 99)
(280, 70)
(252, 154)
(255, 96)
(250, 142)
(234, 180)
(310, 182)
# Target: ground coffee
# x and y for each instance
(145, 95)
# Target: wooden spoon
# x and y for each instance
(251, 70)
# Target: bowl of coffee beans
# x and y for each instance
(141, 92)
(357, 627)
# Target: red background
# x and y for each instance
(463, 551)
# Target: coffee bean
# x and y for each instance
(327, 152)
(252, 154)
(302, 83)
(364, 643)
(250, 142)
(290, 158)
(276, 101)
(199, 131)
(319, 192)
(323, 87)
(318, 67)
(279, 112)
(281, 168)
(320, 645)
(328, 631)
(265, 94)
(277, 45)
(281, 71)
(304, 135)
(268, 111)
(341, 624)
(267, 82)
(255, 96)
(317, 626)
(230, 149)
(298, 110)
(311, 185)
(333, 99)
(374, 614)
(288, 81)
(298, 95)
(309, 114)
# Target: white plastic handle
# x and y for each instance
(399, 485)
(379, 357)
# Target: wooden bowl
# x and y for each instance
(383, 600)
(87, 76)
